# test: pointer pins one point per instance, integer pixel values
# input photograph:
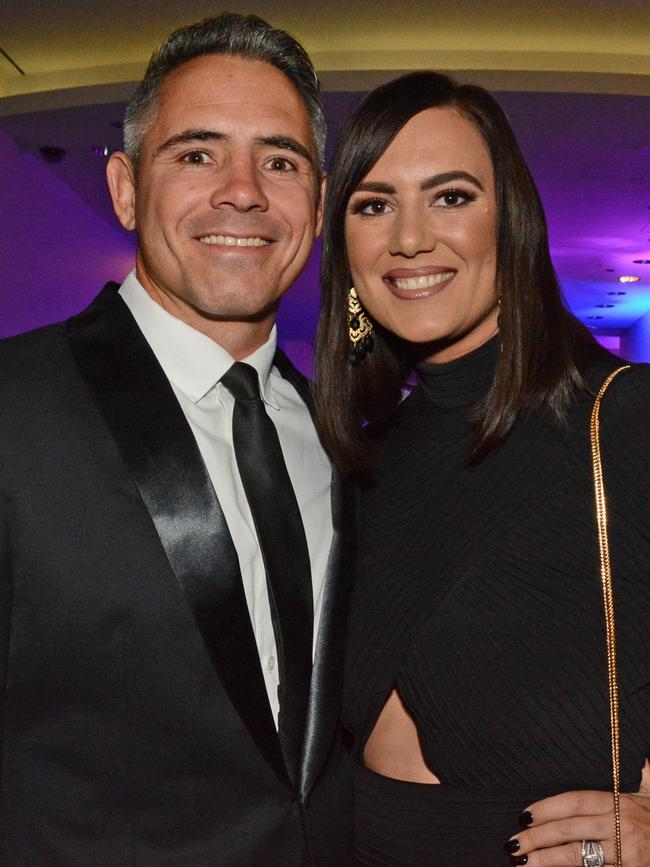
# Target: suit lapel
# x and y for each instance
(158, 448)
(325, 690)
(325, 693)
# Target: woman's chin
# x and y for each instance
(419, 335)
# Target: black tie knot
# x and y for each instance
(242, 381)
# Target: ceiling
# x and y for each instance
(73, 43)
(573, 76)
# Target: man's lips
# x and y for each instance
(418, 282)
(234, 240)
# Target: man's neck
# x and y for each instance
(240, 338)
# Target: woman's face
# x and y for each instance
(420, 230)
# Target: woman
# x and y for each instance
(476, 682)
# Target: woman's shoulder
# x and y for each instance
(624, 417)
(625, 440)
(627, 398)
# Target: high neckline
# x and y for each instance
(463, 381)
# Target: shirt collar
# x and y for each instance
(192, 361)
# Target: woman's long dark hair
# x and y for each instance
(542, 344)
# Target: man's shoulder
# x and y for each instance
(32, 348)
(37, 378)
(43, 351)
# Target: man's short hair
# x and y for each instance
(245, 36)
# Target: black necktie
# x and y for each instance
(282, 540)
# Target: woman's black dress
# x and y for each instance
(478, 597)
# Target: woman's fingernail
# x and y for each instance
(526, 819)
(511, 846)
(519, 859)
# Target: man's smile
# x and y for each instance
(234, 240)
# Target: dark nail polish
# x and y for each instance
(511, 846)
(519, 859)
(526, 819)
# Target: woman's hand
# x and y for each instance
(559, 825)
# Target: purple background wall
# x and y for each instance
(48, 247)
(635, 344)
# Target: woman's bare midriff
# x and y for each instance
(644, 788)
(393, 748)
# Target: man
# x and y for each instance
(170, 556)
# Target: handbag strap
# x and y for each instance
(608, 603)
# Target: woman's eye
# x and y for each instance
(452, 199)
(196, 158)
(372, 207)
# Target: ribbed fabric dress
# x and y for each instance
(478, 597)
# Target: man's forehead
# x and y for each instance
(218, 89)
(219, 103)
(221, 78)
(241, 107)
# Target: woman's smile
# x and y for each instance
(413, 284)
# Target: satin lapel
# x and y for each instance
(325, 690)
(327, 675)
(161, 454)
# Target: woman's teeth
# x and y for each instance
(422, 282)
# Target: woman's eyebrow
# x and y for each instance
(433, 181)
(447, 177)
(374, 187)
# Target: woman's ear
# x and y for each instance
(120, 177)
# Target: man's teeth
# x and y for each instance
(231, 241)
(423, 282)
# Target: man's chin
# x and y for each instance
(237, 313)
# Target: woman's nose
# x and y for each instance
(412, 234)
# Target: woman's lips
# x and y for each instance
(420, 283)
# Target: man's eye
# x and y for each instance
(280, 164)
(372, 207)
(196, 158)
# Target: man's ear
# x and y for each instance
(120, 176)
(321, 205)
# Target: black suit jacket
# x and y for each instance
(135, 724)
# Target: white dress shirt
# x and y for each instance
(194, 364)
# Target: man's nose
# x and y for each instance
(239, 186)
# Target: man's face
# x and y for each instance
(226, 201)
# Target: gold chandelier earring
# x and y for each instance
(360, 328)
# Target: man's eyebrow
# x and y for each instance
(286, 143)
(433, 181)
(201, 135)
(190, 135)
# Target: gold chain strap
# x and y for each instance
(608, 602)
